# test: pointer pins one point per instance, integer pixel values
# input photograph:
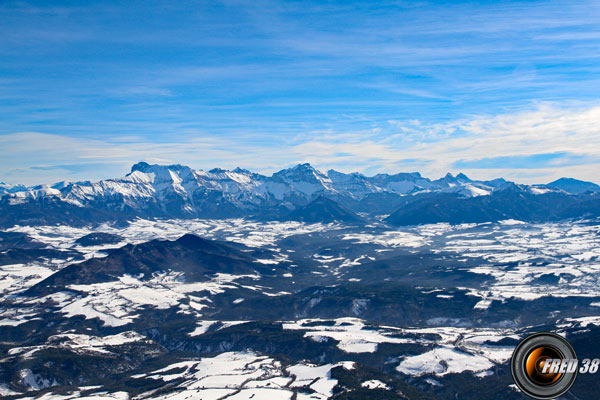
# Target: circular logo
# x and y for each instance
(544, 366)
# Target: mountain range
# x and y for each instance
(300, 193)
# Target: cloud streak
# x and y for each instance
(531, 147)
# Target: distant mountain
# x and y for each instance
(6, 188)
(195, 258)
(98, 238)
(11, 240)
(177, 191)
(323, 210)
(511, 202)
(574, 186)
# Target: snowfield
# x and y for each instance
(118, 303)
(238, 375)
(17, 277)
(442, 361)
(249, 233)
(81, 343)
(474, 355)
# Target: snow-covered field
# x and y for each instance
(17, 277)
(80, 343)
(118, 303)
(457, 350)
(232, 375)
(518, 254)
(250, 233)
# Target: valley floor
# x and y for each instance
(305, 311)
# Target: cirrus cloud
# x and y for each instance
(532, 146)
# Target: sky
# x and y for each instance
(489, 88)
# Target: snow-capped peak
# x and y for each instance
(180, 191)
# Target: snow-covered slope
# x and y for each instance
(182, 192)
(574, 186)
(7, 188)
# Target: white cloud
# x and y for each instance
(432, 149)
(548, 129)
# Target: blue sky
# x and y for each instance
(497, 88)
